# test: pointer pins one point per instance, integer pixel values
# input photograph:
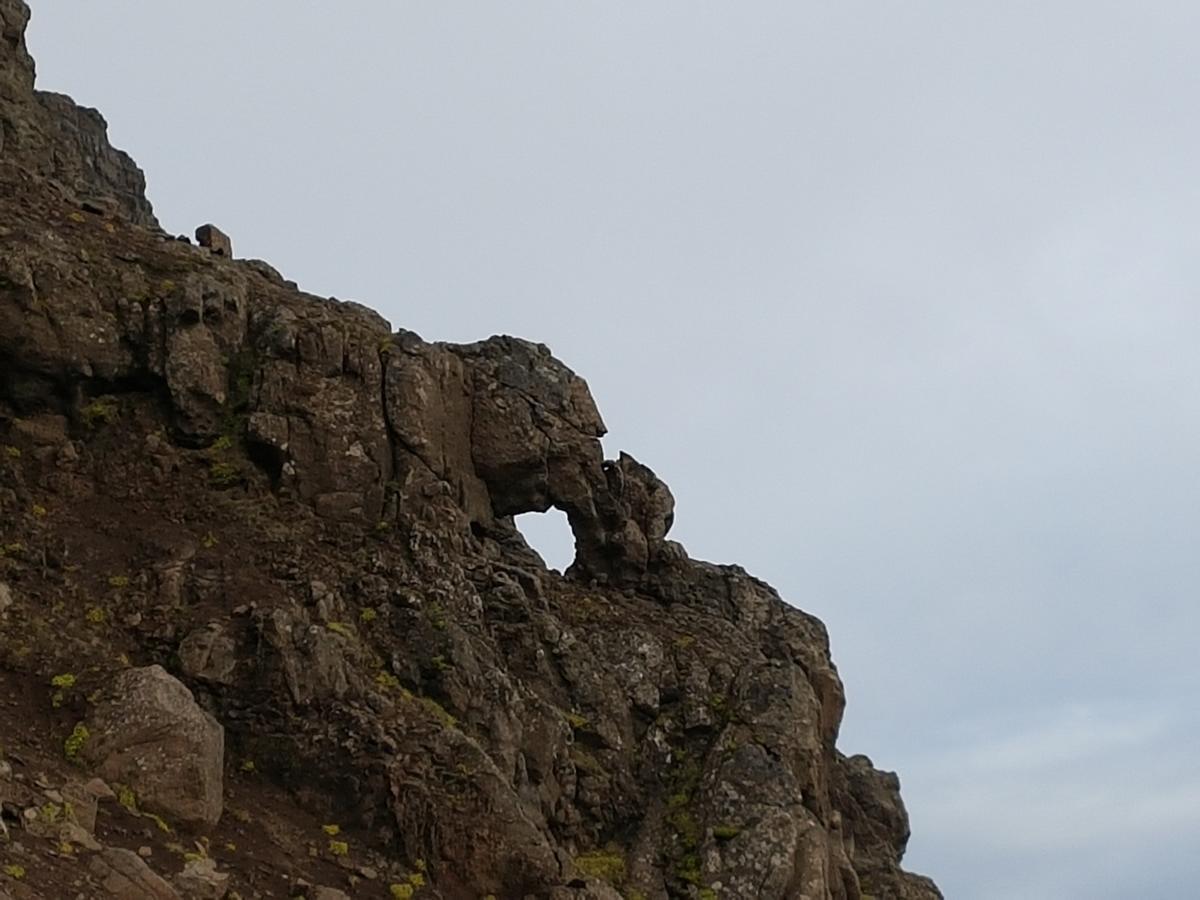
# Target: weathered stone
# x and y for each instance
(147, 732)
(53, 138)
(317, 662)
(99, 789)
(316, 512)
(125, 876)
(200, 880)
(876, 829)
(80, 801)
(45, 430)
(72, 833)
(209, 654)
(214, 239)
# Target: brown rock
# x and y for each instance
(76, 834)
(402, 655)
(81, 802)
(209, 654)
(125, 876)
(47, 430)
(877, 830)
(214, 239)
(147, 732)
(99, 789)
(53, 138)
(200, 880)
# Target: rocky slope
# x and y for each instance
(259, 574)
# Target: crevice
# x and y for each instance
(389, 432)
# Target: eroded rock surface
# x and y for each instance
(148, 733)
(201, 880)
(125, 876)
(308, 517)
(63, 143)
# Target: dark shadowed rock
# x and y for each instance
(209, 654)
(52, 137)
(213, 238)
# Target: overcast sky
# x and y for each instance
(898, 297)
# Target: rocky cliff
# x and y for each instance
(259, 574)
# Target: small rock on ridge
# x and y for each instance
(214, 239)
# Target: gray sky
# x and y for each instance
(898, 297)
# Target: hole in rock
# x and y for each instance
(549, 533)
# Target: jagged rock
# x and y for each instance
(878, 829)
(317, 661)
(97, 788)
(213, 238)
(200, 880)
(147, 732)
(209, 654)
(80, 800)
(316, 512)
(54, 138)
(125, 876)
(6, 598)
(71, 833)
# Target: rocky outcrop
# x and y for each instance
(308, 516)
(148, 733)
(67, 145)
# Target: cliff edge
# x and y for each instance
(267, 628)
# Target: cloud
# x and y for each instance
(1055, 801)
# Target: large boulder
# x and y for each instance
(148, 732)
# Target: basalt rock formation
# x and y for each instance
(306, 517)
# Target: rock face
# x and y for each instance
(308, 516)
(125, 876)
(65, 144)
(149, 734)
